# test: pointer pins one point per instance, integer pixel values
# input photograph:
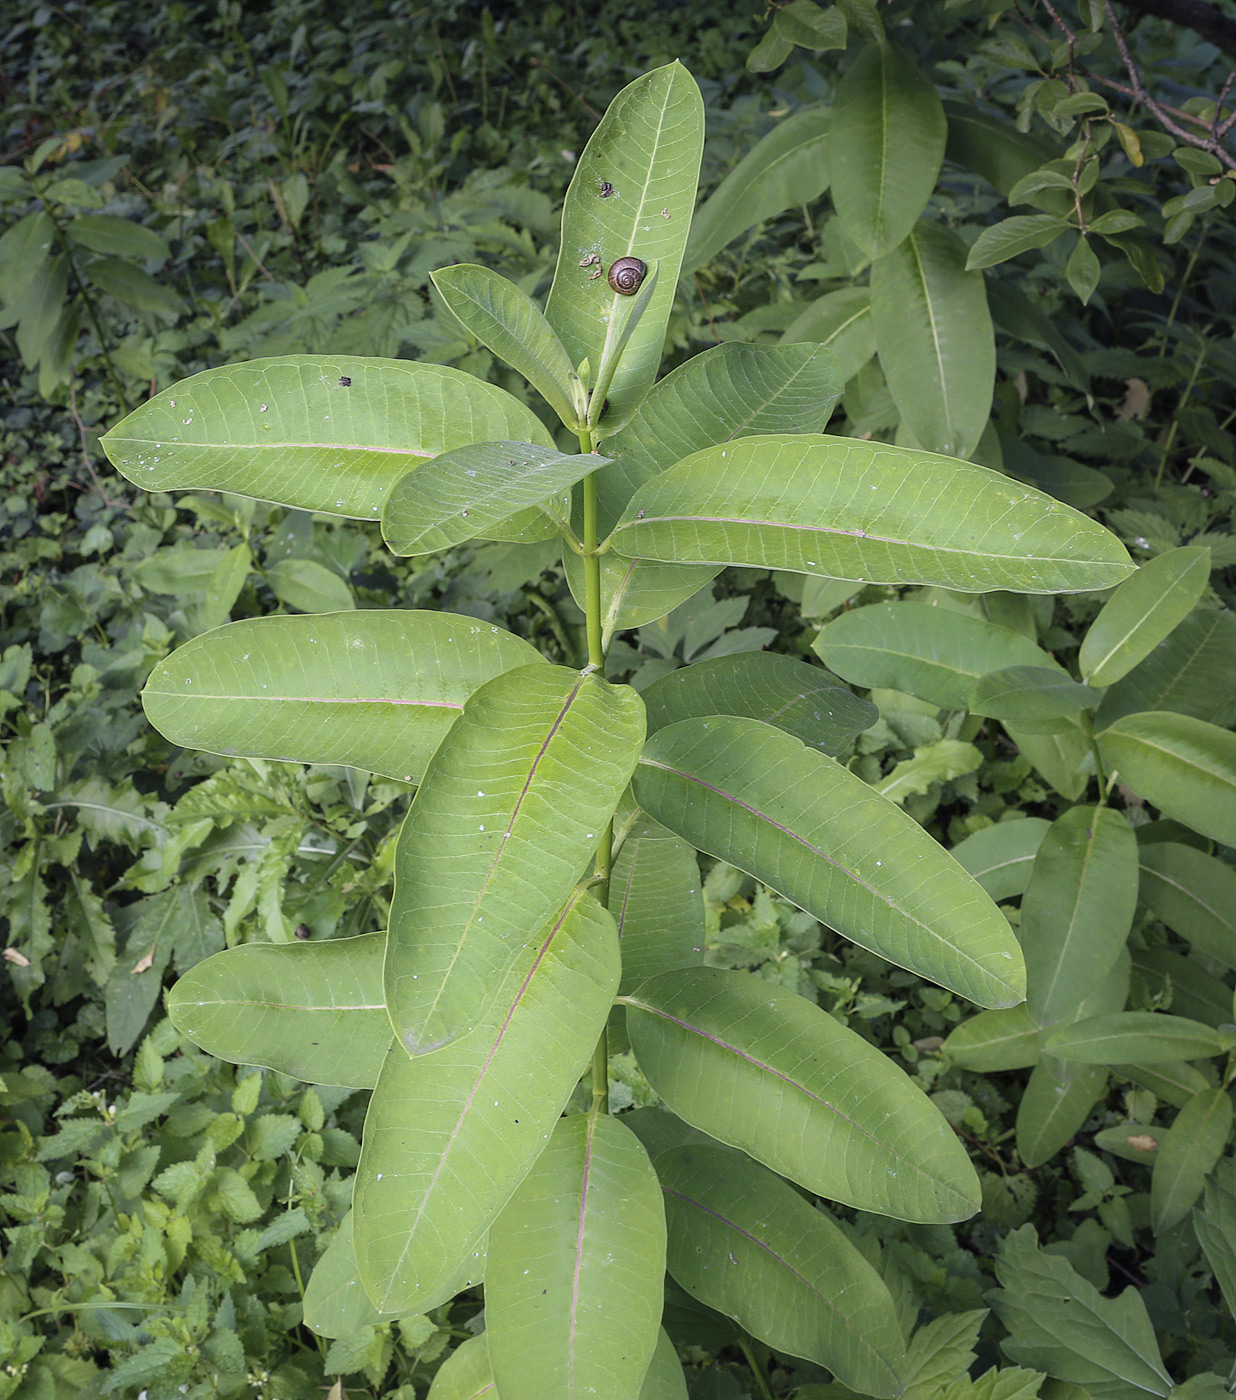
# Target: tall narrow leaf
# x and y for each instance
(656, 897)
(1194, 894)
(1187, 1155)
(511, 808)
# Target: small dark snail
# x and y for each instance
(626, 276)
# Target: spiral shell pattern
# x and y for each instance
(626, 276)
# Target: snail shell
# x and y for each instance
(626, 275)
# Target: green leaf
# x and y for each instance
(934, 338)
(1137, 1038)
(664, 1379)
(797, 820)
(129, 284)
(1055, 1103)
(804, 23)
(802, 700)
(995, 1040)
(1078, 908)
(574, 1285)
(1184, 766)
(511, 808)
(787, 167)
(449, 1136)
(764, 1070)
(886, 147)
(1187, 1155)
(1215, 1224)
(377, 690)
(226, 581)
(939, 762)
(940, 1351)
(627, 314)
(318, 433)
(465, 1374)
(868, 512)
(1141, 613)
(744, 1242)
(1059, 1323)
(105, 233)
(1173, 1081)
(1058, 756)
(933, 653)
(499, 314)
(312, 1010)
(24, 247)
(1082, 271)
(656, 896)
(1192, 672)
(770, 53)
(841, 321)
(309, 587)
(1194, 894)
(39, 307)
(631, 196)
(1010, 237)
(469, 489)
(1036, 699)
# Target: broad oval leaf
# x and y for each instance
(1036, 699)
(465, 1374)
(510, 810)
(931, 652)
(744, 1242)
(312, 1010)
(308, 586)
(787, 167)
(1194, 894)
(632, 195)
(800, 822)
(1137, 1038)
(1062, 757)
(1055, 1103)
(1141, 613)
(1013, 236)
(504, 317)
(1185, 766)
(1078, 908)
(934, 338)
(657, 897)
(764, 1070)
(803, 700)
(377, 690)
(1187, 1155)
(869, 512)
(469, 489)
(664, 1379)
(840, 321)
(1001, 857)
(995, 1040)
(449, 1136)
(322, 433)
(886, 147)
(574, 1284)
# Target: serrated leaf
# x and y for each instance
(449, 1136)
(318, 433)
(744, 1242)
(1187, 1155)
(574, 1284)
(869, 512)
(511, 808)
(312, 1010)
(766, 1071)
(931, 763)
(376, 689)
(940, 1351)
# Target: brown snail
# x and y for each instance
(627, 275)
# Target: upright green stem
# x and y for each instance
(596, 657)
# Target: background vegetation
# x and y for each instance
(220, 182)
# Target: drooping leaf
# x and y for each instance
(319, 433)
(656, 896)
(840, 321)
(787, 167)
(1036, 699)
(1055, 1103)
(312, 1010)
(1187, 1155)
(1078, 908)
(800, 822)
(1059, 1323)
(499, 314)
(934, 338)
(745, 1243)
(465, 1374)
(886, 147)
(1001, 857)
(631, 196)
(469, 489)
(1141, 612)
(869, 512)
(1185, 766)
(375, 689)
(934, 653)
(511, 808)
(449, 1136)
(574, 1283)
(1138, 1038)
(766, 1071)
(804, 701)
(1062, 757)
(1194, 894)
